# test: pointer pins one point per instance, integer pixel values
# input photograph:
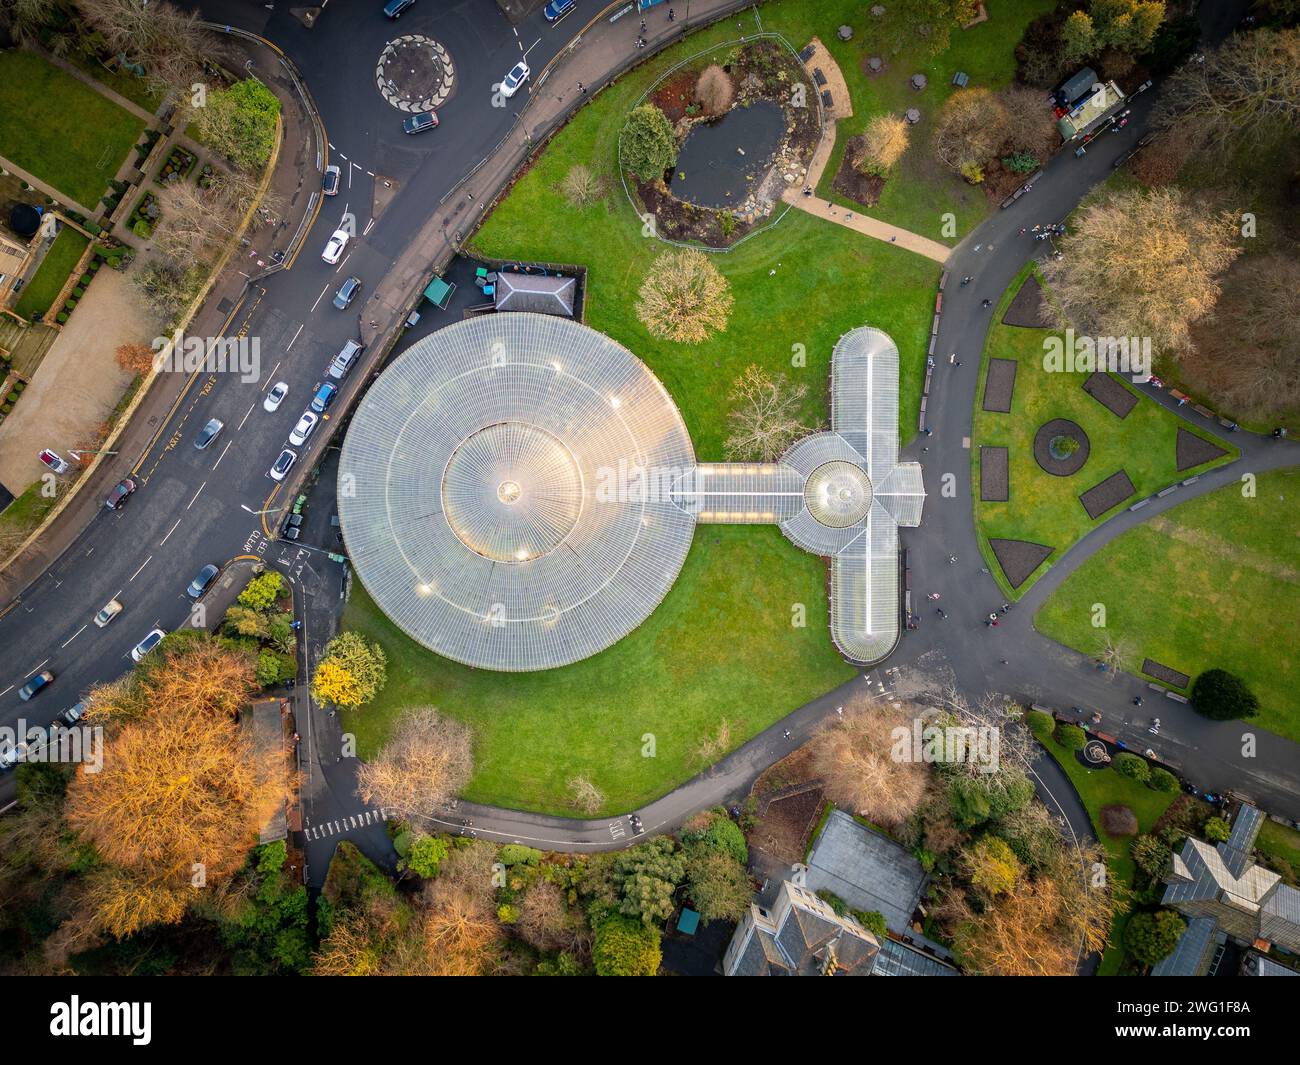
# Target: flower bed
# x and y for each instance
(177, 167)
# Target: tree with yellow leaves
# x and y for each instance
(351, 671)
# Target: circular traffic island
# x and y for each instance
(1061, 447)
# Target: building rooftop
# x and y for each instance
(541, 294)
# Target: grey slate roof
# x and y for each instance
(866, 870)
(898, 959)
(1237, 851)
(1279, 917)
(548, 294)
(1192, 951)
(800, 937)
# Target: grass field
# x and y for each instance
(920, 192)
(1213, 582)
(1099, 788)
(1043, 508)
(828, 279)
(1281, 842)
(720, 648)
(47, 282)
(61, 130)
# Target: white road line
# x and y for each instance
(342, 156)
(338, 268)
(6, 692)
(72, 637)
(369, 226)
(142, 566)
(320, 297)
(36, 670)
(169, 532)
(246, 414)
(370, 173)
(223, 454)
(271, 376)
(196, 494)
(291, 343)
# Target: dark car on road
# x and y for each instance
(199, 584)
(394, 8)
(557, 9)
(209, 433)
(418, 123)
(36, 684)
(118, 496)
(347, 293)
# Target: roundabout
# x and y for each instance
(415, 73)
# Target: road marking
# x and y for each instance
(72, 637)
(223, 454)
(6, 692)
(369, 226)
(320, 297)
(338, 268)
(196, 494)
(291, 343)
(142, 566)
(36, 670)
(271, 376)
(246, 414)
(165, 538)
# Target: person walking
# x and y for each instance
(952, 559)
(582, 88)
(942, 613)
(786, 734)
(672, 15)
(987, 303)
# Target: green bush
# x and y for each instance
(12, 397)
(833, 901)
(61, 317)
(142, 229)
(85, 280)
(262, 590)
(19, 385)
(873, 921)
(69, 305)
(648, 145)
(1217, 830)
(1132, 766)
(1040, 724)
(1071, 737)
(1150, 854)
(1162, 780)
(1151, 937)
(625, 947)
(1223, 696)
(427, 854)
(6, 408)
(518, 854)
(78, 292)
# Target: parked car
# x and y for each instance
(557, 9)
(54, 461)
(73, 714)
(517, 76)
(331, 180)
(419, 122)
(209, 433)
(338, 369)
(281, 467)
(108, 612)
(306, 424)
(35, 684)
(347, 293)
(275, 397)
(118, 496)
(394, 8)
(323, 397)
(334, 246)
(200, 583)
(147, 644)
(10, 755)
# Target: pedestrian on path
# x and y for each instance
(582, 88)
(987, 303)
(643, 25)
(966, 280)
(786, 734)
(940, 611)
(952, 559)
(672, 15)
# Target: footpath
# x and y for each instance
(294, 179)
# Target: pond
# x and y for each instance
(720, 161)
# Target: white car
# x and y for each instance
(304, 428)
(108, 612)
(280, 470)
(147, 644)
(334, 249)
(517, 76)
(275, 397)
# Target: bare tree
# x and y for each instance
(25, 19)
(714, 90)
(1113, 652)
(765, 416)
(971, 127)
(428, 759)
(581, 187)
(1143, 264)
(854, 756)
(584, 795)
(171, 44)
(1029, 125)
(684, 297)
(1247, 90)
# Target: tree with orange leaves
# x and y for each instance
(135, 359)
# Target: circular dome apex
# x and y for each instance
(838, 494)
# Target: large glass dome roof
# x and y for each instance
(499, 491)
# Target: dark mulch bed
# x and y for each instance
(999, 385)
(1110, 393)
(1107, 494)
(1152, 668)
(678, 220)
(784, 828)
(994, 479)
(852, 183)
(1049, 463)
(1019, 558)
(1192, 450)
(1118, 820)
(672, 96)
(1029, 309)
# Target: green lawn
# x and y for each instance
(20, 517)
(1213, 582)
(44, 287)
(59, 129)
(720, 647)
(920, 192)
(1099, 788)
(134, 88)
(1043, 508)
(1282, 842)
(828, 279)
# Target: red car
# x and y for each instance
(119, 494)
(54, 461)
